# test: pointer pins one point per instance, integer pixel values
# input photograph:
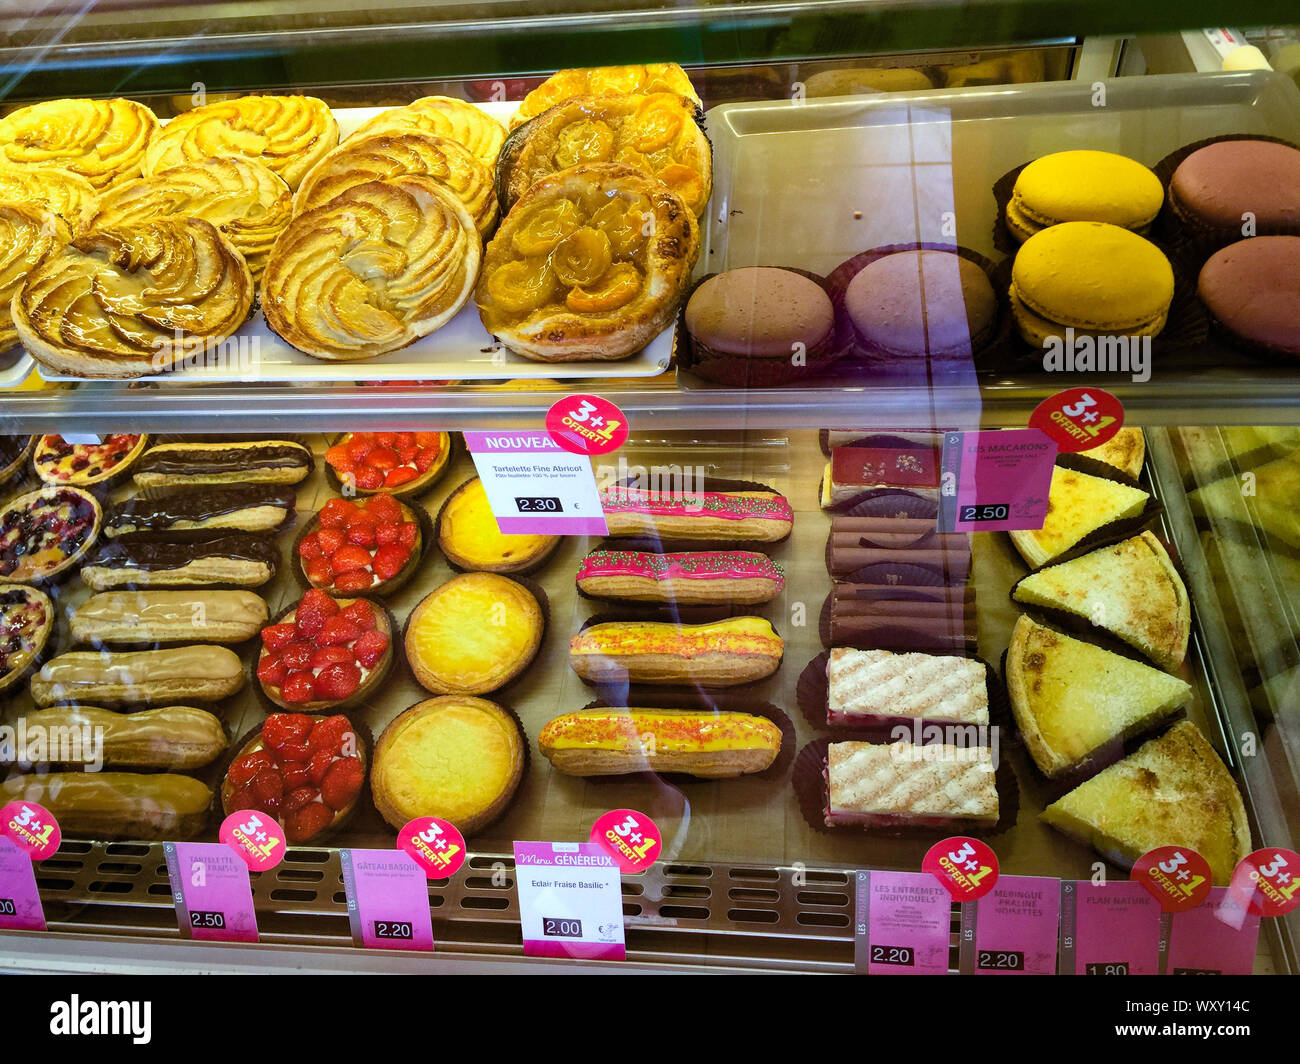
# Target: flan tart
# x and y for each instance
(470, 538)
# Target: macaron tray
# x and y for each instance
(751, 817)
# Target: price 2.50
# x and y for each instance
(201, 918)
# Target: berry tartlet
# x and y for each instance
(26, 621)
(306, 772)
(392, 463)
(368, 546)
(325, 654)
(86, 464)
(44, 533)
(14, 452)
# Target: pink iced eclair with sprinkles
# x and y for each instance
(725, 516)
(697, 578)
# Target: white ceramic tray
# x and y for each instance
(461, 350)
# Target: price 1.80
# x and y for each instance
(393, 929)
(1110, 968)
(556, 927)
(201, 918)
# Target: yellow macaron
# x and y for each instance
(1092, 277)
(1083, 186)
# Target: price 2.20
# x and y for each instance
(393, 929)
(1000, 960)
(900, 955)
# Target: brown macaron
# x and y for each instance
(1252, 288)
(1220, 188)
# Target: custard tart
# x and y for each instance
(590, 263)
(442, 116)
(100, 140)
(241, 197)
(604, 81)
(384, 155)
(372, 270)
(126, 302)
(27, 232)
(658, 133)
(66, 194)
(290, 134)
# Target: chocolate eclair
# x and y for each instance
(225, 462)
(180, 513)
(232, 560)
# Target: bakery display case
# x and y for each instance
(265, 305)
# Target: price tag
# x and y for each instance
(966, 868)
(1079, 419)
(1109, 929)
(214, 899)
(255, 836)
(1218, 938)
(1012, 930)
(570, 900)
(20, 900)
(388, 899)
(995, 480)
(436, 845)
(1267, 882)
(1178, 877)
(587, 424)
(81, 439)
(629, 837)
(535, 487)
(906, 919)
(32, 828)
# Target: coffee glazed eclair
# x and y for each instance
(204, 510)
(236, 462)
(232, 560)
(696, 578)
(722, 654)
(175, 676)
(722, 516)
(168, 617)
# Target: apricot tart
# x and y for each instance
(61, 191)
(590, 263)
(82, 464)
(657, 133)
(474, 634)
(46, 532)
(99, 140)
(470, 538)
(605, 81)
(27, 233)
(395, 463)
(456, 757)
(306, 772)
(26, 621)
(325, 653)
(368, 546)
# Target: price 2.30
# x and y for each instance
(538, 504)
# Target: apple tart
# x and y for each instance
(27, 232)
(590, 263)
(100, 140)
(62, 191)
(442, 116)
(604, 81)
(290, 134)
(372, 270)
(241, 197)
(126, 302)
(383, 155)
(658, 133)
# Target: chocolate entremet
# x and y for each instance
(237, 559)
(871, 550)
(936, 619)
(238, 509)
(264, 462)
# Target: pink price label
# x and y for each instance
(1267, 882)
(907, 924)
(388, 899)
(20, 900)
(1218, 938)
(1013, 928)
(1177, 877)
(1111, 929)
(32, 827)
(995, 480)
(256, 836)
(629, 837)
(587, 424)
(212, 892)
(1079, 419)
(437, 845)
(967, 868)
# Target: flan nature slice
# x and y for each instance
(1130, 589)
(1266, 499)
(1077, 505)
(1172, 791)
(1125, 451)
(1071, 698)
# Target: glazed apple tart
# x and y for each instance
(62, 191)
(290, 134)
(126, 302)
(442, 116)
(590, 263)
(384, 155)
(372, 270)
(604, 81)
(657, 133)
(241, 197)
(100, 140)
(27, 232)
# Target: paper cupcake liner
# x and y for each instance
(1249, 348)
(388, 587)
(1081, 463)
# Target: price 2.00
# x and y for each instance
(200, 918)
(557, 927)
(900, 955)
(7, 907)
